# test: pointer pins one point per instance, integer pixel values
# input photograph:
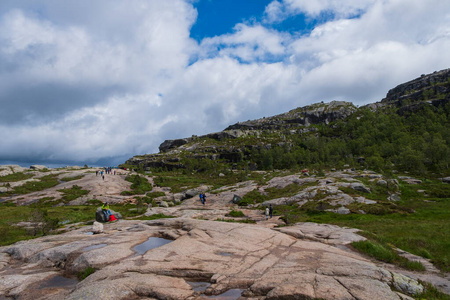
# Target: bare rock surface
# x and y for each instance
(262, 262)
(254, 261)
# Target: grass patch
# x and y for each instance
(155, 217)
(44, 182)
(11, 215)
(73, 193)
(384, 252)
(236, 214)
(139, 186)
(256, 196)
(15, 177)
(430, 292)
(375, 250)
(236, 221)
(67, 179)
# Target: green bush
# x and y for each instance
(236, 214)
(84, 274)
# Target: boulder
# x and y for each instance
(394, 197)
(97, 227)
(358, 186)
(446, 179)
(406, 284)
(38, 167)
(164, 204)
(236, 199)
(191, 193)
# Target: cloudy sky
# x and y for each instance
(98, 81)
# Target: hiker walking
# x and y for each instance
(270, 211)
(267, 213)
(204, 199)
(201, 197)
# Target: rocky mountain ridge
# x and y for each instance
(432, 89)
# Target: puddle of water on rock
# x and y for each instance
(152, 242)
(225, 254)
(89, 233)
(59, 282)
(228, 295)
(199, 286)
(94, 247)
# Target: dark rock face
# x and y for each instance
(305, 116)
(421, 88)
(172, 144)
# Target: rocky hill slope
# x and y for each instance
(239, 141)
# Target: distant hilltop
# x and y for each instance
(236, 142)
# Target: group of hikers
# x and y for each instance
(105, 170)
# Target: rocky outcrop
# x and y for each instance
(426, 86)
(305, 116)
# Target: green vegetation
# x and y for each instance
(290, 190)
(84, 274)
(432, 293)
(386, 254)
(237, 221)
(73, 193)
(140, 185)
(11, 215)
(417, 224)
(154, 217)
(15, 177)
(236, 214)
(371, 140)
(43, 183)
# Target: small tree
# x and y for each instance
(42, 222)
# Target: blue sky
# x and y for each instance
(96, 82)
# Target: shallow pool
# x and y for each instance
(151, 243)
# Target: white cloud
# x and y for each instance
(248, 43)
(85, 84)
(278, 10)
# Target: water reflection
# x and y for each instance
(58, 282)
(152, 242)
(199, 286)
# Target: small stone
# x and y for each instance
(343, 210)
(382, 182)
(164, 204)
(394, 197)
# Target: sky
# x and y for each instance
(97, 82)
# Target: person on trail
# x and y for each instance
(106, 211)
(204, 199)
(267, 213)
(270, 211)
(201, 197)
